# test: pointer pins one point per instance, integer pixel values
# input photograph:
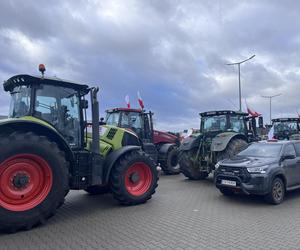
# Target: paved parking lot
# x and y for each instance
(181, 215)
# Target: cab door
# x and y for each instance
(290, 165)
(297, 148)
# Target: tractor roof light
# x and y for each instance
(42, 68)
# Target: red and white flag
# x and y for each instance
(251, 112)
(127, 101)
(141, 103)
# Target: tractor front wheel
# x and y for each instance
(187, 167)
(134, 178)
(171, 166)
(33, 180)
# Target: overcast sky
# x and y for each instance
(173, 52)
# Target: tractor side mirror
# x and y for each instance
(260, 122)
(102, 122)
(84, 104)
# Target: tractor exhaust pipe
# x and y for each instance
(95, 121)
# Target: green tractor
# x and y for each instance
(222, 135)
(162, 147)
(286, 128)
(46, 150)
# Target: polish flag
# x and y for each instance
(252, 112)
(140, 100)
(127, 101)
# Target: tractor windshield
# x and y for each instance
(20, 101)
(213, 123)
(237, 124)
(287, 126)
(112, 118)
(60, 107)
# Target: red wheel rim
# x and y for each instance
(138, 179)
(25, 181)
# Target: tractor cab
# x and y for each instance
(223, 121)
(286, 128)
(54, 101)
(136, 120)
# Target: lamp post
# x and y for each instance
(270, 100)
(239, 69)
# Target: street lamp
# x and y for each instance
(270, 99)
(239, 68)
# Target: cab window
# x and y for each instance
(237, 124)
(289, 150)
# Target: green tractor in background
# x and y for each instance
(46, 150)
(222, 135)
(286, 128)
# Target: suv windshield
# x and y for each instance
(20, 101)
(213, 123)
(266, 150)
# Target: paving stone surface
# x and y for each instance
(181, 215)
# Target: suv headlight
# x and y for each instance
(258, 170)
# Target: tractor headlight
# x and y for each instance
(258, 170)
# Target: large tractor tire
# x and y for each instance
(171, 165)
(187, 168)
(234, 147)
(97, 190)
(33, 180)
(134, 178)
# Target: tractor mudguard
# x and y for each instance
(164, 148)
(113, 157)
(220, 142)
(38, 127)
(189, 143)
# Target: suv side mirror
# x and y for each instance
(102, 122)
(288, 157)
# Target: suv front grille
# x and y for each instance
(240, 172)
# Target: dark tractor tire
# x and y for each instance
(171, 165)
(226, 191)
(33, 180)
(133, 179)
(277, 193)
(234, 147)
(186, 167)
(97, 190)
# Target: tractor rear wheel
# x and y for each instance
(171, 166)
(187, 166)
(96, 190)
(234, 147)
(134, 178)
(33, 180)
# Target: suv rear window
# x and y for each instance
(297, 148)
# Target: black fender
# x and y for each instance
(164, 149)
(278, 171)
(112, 158)
(190, 143)
(220, 142)
(10, 126)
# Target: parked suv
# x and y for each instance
(263, 168)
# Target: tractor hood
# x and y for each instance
(164, 137)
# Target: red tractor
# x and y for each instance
(161, 146)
